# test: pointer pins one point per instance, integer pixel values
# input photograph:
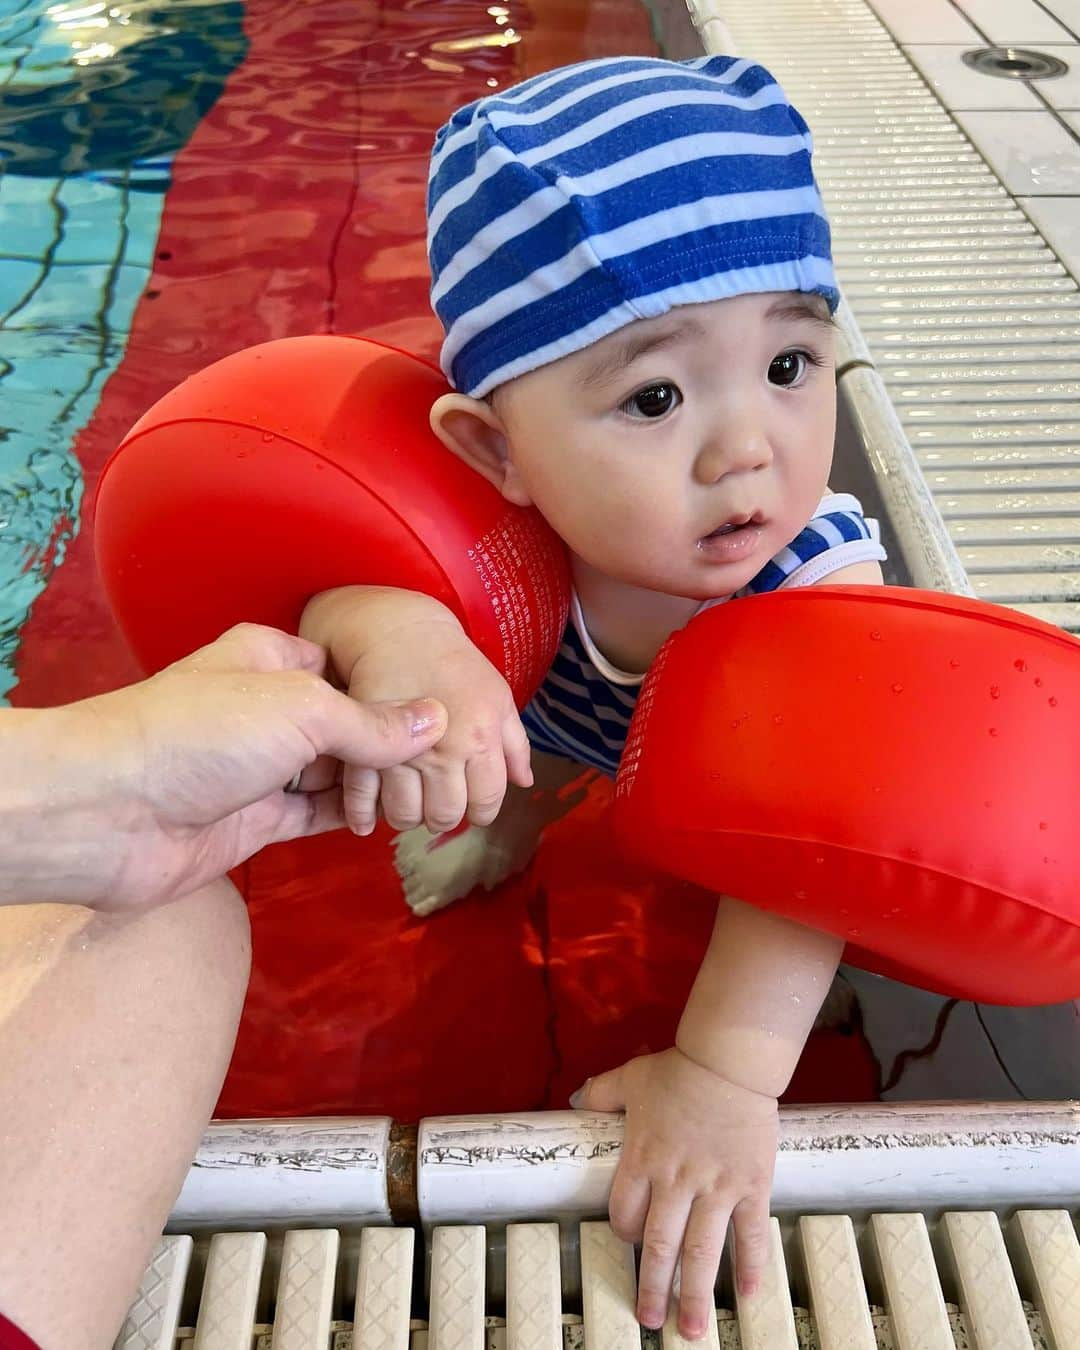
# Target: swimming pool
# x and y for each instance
(181, 180)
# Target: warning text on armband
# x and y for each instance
(517, 578)
(635, 741)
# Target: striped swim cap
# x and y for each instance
(613, 190)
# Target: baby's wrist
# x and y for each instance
(363, 611)
(357, 622)
(419, 647)
(742, 1060)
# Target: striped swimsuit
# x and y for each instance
(582, 710)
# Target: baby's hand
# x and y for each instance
(397, 642)
(699, 1151)
(484, 746)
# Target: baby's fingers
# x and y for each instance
(485, 777)
(703, 1246)
(628, 1204)
(402, 797)
(360, 796)
(445, 795)
(660, 1245)
(517, 752)
(752, 1241)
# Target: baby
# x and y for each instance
(631, 263)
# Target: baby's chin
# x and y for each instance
(712, 583)
(690, 584)
(683, 589)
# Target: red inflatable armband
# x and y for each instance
(900, 768)
(304, 464)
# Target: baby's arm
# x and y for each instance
(389, 644)
(701, 1118)
(756, 996)
(855, 574)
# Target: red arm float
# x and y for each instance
(304, 464)
(898, 767)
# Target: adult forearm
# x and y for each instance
(134, 798)
(55, 843)
(757, 993)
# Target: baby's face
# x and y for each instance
(681, 453)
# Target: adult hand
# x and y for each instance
(137, 797)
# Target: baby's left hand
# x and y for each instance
(698, 1152)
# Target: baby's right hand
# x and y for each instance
(484, 746)
(391, 644)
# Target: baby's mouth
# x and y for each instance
(732, 526)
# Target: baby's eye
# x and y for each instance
(788, 368)
(653, 401)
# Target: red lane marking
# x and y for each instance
(297, 207)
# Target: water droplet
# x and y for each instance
(995, 692)
(854, 932)
(800, 895)
(993, 731)
(988, 804)
(877, 790)
(1052, 701)
(1038, 681)
(859, 679)
(898, 688)
(1020, 664)
(954, 663)
(875, 636)
(819, 861)
(778, 719)
(268, 436)
(1043, 825)
(735, 724)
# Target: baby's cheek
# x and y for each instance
(807, 479)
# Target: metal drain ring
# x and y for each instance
(1015, 63)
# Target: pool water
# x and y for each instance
(181, 180)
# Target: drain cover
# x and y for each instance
(1015, 63)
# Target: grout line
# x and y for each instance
(1033, 85)
(21, 52)
(1059, 21)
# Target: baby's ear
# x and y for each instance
(473, 430)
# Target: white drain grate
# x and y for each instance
(892, 1283)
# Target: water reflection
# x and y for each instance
(93, 87)
(94, 101)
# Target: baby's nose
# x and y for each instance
(737, 447)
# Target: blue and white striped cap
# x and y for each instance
(613, 190)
